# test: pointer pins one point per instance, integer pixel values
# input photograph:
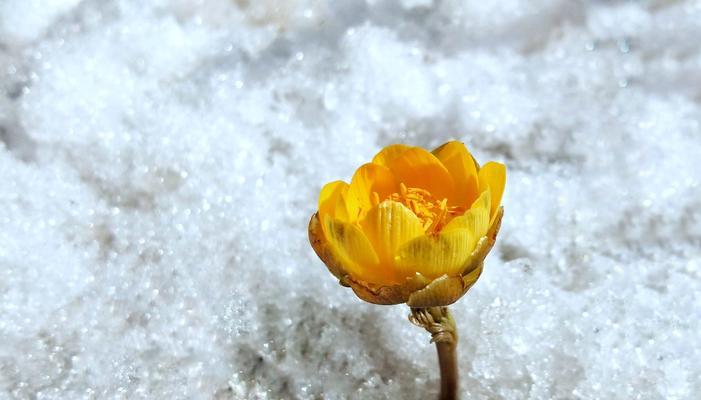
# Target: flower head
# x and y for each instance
(413, 226)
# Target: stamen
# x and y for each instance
(433, 214)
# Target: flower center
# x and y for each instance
(433, 213)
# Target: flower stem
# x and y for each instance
(440, 324)
(447, 361)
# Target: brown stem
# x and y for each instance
(439, 322)
(448, 363)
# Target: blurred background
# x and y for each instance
(160, 160)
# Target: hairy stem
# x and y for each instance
(440, 324)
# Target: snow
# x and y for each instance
(160, 161)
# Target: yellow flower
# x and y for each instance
(412, 227)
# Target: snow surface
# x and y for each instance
(160, 161)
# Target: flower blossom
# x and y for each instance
(412, 226)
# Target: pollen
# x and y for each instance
(433, 213)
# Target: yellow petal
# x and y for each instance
(321, 248)
(389, 153)
(418, 168)
(483, 201)
(367, 180)
(475, 220)
(484, 244)
(336, 200)
(353, 250)
(474, 161)
(346, 206)
(493, 176)
(459, 162)
(388, 226)
(329, 198)
(433, 256)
